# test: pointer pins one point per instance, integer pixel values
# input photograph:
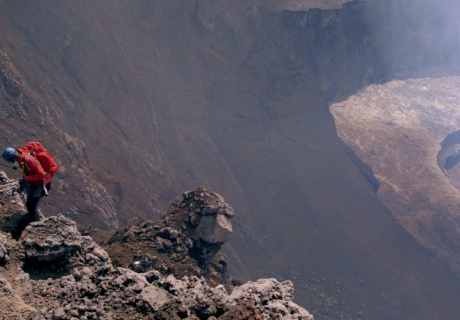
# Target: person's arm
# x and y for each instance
(38, 173)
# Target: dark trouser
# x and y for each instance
(34, 194)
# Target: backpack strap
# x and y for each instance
(26, 167)
(27, 157)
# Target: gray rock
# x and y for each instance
(3, 177)
(272, 298)
(228, 212)
(154, 297)
(59, 314)
(51, 239)
(193, 291)
(4, 249)
(209, 210)
(168, 233)
(93, 254)
(214, 229)
(6, 290)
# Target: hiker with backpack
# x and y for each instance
(38, 168)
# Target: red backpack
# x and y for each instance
(37, 150)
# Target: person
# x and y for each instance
(36, 181)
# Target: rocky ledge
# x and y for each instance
(169, 269)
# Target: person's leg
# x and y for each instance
(44, 193)
(34, 194)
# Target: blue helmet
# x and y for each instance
(9, 154)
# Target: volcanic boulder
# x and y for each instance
(51, 239)
(186, 241)
(206, 216)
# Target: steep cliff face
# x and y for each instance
(26, 116)
(140, 100)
